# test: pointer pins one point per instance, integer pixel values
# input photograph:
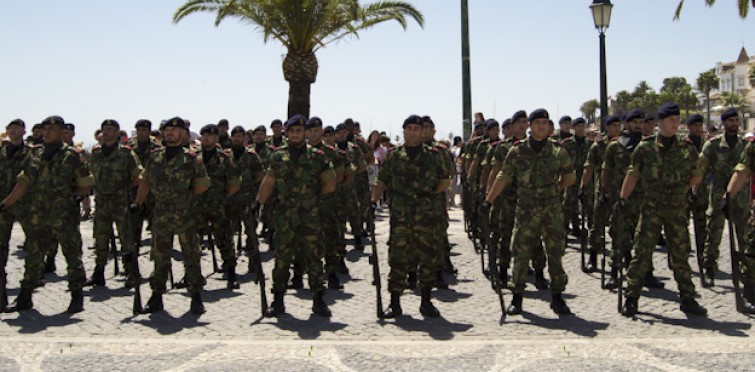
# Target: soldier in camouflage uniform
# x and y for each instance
(224, 140)
(13, 153)
(577, 147)
(175, 175)
(699, 200)
(534, 163)
(470, 187)
(361, 178)
(720, 155)
(667, 166)
(142, 144)
(350, 198)
(413, 173)
(273, 142)
(301, 174)
(345, 180)
(209, 208)
(564, 129)
(115, 169)
(53, 178)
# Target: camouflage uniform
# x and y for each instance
(351, 210)
(595, 158)
(747, 166)
(329, 213)
(361, 182)
(699, 207)
(343, 195)
(577, 149)
(267, 210)
(172, 181)
(251, 170)
(142, 151)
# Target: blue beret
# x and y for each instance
(521, 114)
(314, 122)
(223, 122)
(610, 119)
(36, 126)
(238, 129)
(505, 123)
(209, 129)
(69, 126)
(728, 114)
(329, 130)
(491, 123)
(634, 114)
(479, 124)
(18, 122)
(427, 120)
(341, 126)
(578, 121)
(413, 119)
(260, 128)
(276, 121)
(538, 114)
(54, 120)
(295, 120)
(668, 109)
(649, 117)
(175, 122)
(564, 118)
(143, 123)
(694, 118)
(110, 122)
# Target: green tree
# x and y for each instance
(706, 82)
(743, 7)
(303, 27)
(622, 102)
(588, 109)
(644, 98)
(676, 89)
(736, 100)
(752, 77)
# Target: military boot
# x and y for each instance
(154, 304)
(3, 299)
(516, 305)
(449, 266)
(77, 302)
(651, 281)
(613, 282)
(394, 310)
(630, 307)
(748, 292)
(342, 268)
(233, 282)
(23, 301)
(440, 281)
(412, 281)
(358, 245)
(690, 306)
(319, 306)
(592, 263)
(709, 278)
(334, 282)
(197, 307)
(277, 307)
(558, 305)
(297, 282)
(98, 277)
(540, 282)
(426, 307)
(50, 264)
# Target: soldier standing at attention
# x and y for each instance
(414, 175)
(115, 169)
(699, 200)
(224, 140)
(176, 176)
(543, 170)
(577, 147)
(668, 168)
(142, 144)
(300, 174)
(53, 177)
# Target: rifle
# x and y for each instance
(259, 274)
(602, 232)
(736, 258)
(239, 245)
(699, 245)
(114, 248)
(482, 235)
(494, 275)
(619, 215)
(135, 275)
(583, 234)
(375, 264)
(211, 243)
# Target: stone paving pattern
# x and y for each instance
(232, 335)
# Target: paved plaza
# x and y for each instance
(470, 335)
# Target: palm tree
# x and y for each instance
(706, 82)
(735, 100)
(743, 6)
(588, 109)
(303, 27)
(752, 77)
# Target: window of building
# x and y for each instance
(741, 81)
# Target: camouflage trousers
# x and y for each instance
(623, 232)
(235, 209)
(348, 211)
(412, 243)
(7, 218)
(698, 211)
(211, 218)
(715, 227)
(169, 221)
(672, 215)
(145, 213)
(109, 211)
(298, 234)
(502, 221)
(355, 211)
(330, 232)
(534, 224)
(67, 234)
(571, 207)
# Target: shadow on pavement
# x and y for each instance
(698, 322)
(216, 295)
(100, 294)
(437, 328)
(571, 323)
(166, 324)
(450, 295)
(31, 321)
(307, 329)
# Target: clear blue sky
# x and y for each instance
(92, 60)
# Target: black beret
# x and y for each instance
(223, 122)
(413, 119)
(729, 113)
(18, 122)
(260, 128)
(209, 129)
(174, 122)
(564, 118)
(348, 121)
(314, 122)
(521, 114)
(610, 119)
(649, 117)
(668, 109)
(238, 129)
(143, 123)
(479, 124)
(341, 126)
(427, 120)
(69, 126)
(505, 123)
(36, 126)
(54, 120)
(356, 124)
(276, 121)
(578, 121)
(538, 114)
(694, 118)
(296, 120)
(329, 130)
(491, 123)
(634, 114)
(110, 122)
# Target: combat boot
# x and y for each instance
(319, 306)
(233, 282)
(342, 268)
(358, 245)
(426, 307)
(154, 304)
(592, 263)
(748, 292)
(440, 282)
(651, 281)
(613, 282)
(690, 306)
(98, 277)
(709, 279)
(23, 301)
(412, 284)
(277, 307)
(50, 265)
(449, 266)
(540, 282)
(197, 307)
(516, 305)
(334, 282)
(558, 305)
(3, 299)
(77, 302)
(630, 307)
(394, 310)
(297, 282)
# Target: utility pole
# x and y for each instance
(466, 83)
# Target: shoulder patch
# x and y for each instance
(646, 138)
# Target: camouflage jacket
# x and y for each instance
(299, 184)
(718, 161)
(595, 157)
(538, 173)
(223, 174)
(336, 157)
(11, 166)
(665, 172)
(615, 164)
(577, 152)
(497, 158)
(271, 142)
(114, 173)
(264, 153)
(172, 181)
(412, 182)
(250, 169)
(142, 151)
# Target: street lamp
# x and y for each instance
(601, 14)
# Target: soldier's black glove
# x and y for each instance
(253, 208)
(620, 205)
(602, 200)
(725, 205)
(133, 208)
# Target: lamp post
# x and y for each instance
(601, 14)
(466, 84)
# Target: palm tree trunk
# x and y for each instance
(707, 102)
(298, 98)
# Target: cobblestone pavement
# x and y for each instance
(232, 335)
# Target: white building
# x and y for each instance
(735, 77)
